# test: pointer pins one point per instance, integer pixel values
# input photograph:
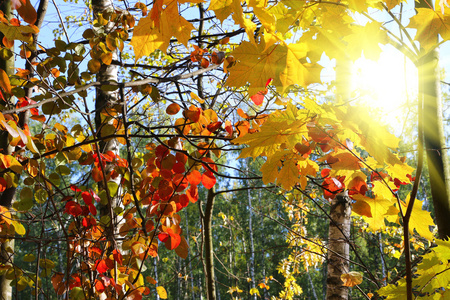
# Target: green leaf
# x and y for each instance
(29, 257)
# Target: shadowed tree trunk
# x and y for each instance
(434, 140)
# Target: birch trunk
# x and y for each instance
(339, 230)
(338, 247)
(103, 101)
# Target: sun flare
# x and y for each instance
(387, 86)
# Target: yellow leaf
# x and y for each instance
(420, 220)
(5, 215)
(254, 291)
(161, 292)
(352, 278)
(12, 163)
(429, 24)
(21, 33)
(379, 209)
(367, 39)
(149, 36)
(18, 227)
(281, 62)
(194, 96)
(222, 8)
(268, 140)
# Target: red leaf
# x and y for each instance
(205, 63)
(161, 151)
(92, 209)
(74, 188)
(87, 198)
(229, 127)
(213, 126)
(101, 266)
(3, 184)
(74, 281)
(179, 168)
(163, 236)
(172, 240)
(208, 179)
(73, 208)
(97, 174)
(180, 182)
(332, 186)
(210, 163)
(258, 98)
(85, 222)
(117, 256)
(357, 186)
(184, 200)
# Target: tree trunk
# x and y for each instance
(191, 274)
(7, 197)
(209, 248)
(155, 268)
(338, 247)
(434, 141)
(252, 246)
(103, 101)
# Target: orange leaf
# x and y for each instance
(97, 174)
(224, 41)
(7, 43)
(205, 63)
(58, 283)
(194, 177)
(183, 249)
(4, 82)
(193, 114)
(27, 12)
(99, 286)
(172, 109)
(217, 57)
(352, 278)
(192, 194)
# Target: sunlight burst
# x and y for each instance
(388, 86)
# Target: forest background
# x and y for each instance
(198, 149)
